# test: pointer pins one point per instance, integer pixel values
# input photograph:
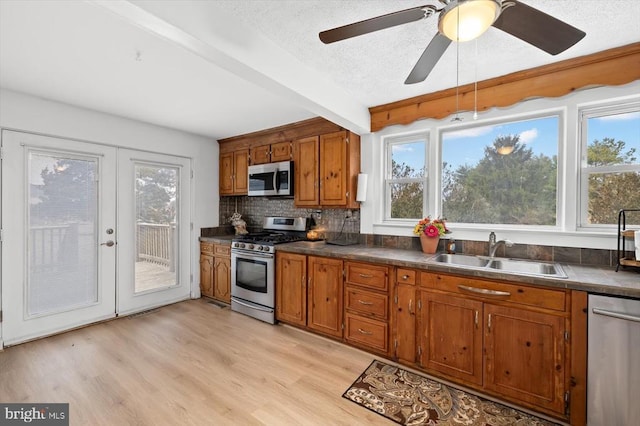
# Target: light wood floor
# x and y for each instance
(191, 363)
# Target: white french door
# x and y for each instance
(89, 232)
(153, 214)
(58, 214)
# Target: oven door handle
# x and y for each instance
(252, 306)
(253, 255)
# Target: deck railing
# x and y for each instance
(52, 245)
(156, 244)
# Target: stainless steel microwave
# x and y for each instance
(272, 179)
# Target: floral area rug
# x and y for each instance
(410, 399)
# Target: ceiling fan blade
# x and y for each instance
(373, 24)
(537, 28)
(429, 59)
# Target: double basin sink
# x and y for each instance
(523, 267)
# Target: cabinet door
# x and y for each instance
(306, 172)
(280, 152)
(451, 336)
(291, 288)
(241, 172)
(525, 355)
(261, 154)
(333, 169)
(206, 275)
(325, 295)
(222, 279)
(405, 322)
(226, 173)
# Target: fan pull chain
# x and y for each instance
(457, 117)
(475, 87)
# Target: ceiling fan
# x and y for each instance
(463, 20)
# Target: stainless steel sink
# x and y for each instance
(461, 260)
(528, 267)
(525, 267)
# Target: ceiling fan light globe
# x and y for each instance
(475, 17)
(505, 150)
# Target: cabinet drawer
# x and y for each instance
(367, 332)
(367, 303)
(366, 275)
(206, 248)
(222, 250)
(406, 276)
(490, 290)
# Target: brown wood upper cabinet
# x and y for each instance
(326, 170)
(234, 172)
(271, 153)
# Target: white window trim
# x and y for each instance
(567, 234)
(388, 180)
(584, 114)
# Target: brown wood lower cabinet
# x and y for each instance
(344, 300)
(309, 293)
(215, 271)
(367, 307)
(451, 336)
(222, 273)
(206, 270)
(291, 288)
(325, 295)
(504, 339)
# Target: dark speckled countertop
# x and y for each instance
(591, 279)
(586, 278)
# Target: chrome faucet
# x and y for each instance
(493, 244)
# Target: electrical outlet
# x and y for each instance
(349, 214)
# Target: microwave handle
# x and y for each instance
(276, 179)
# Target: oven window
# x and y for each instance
(251, 275)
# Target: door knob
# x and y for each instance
(108, 244)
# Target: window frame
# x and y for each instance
(561, 116)
(584, 170)
(388, 180)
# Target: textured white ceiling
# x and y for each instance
(224, 68)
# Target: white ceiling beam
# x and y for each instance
(224, 41)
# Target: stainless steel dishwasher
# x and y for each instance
(613, 381)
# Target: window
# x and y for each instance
(504, 173)
(610, 172)
(406, 177)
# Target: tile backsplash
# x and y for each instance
(330, 222)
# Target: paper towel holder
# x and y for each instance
(361, 193)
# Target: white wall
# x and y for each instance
(19, 111)
(566, 234)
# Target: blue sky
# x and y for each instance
(466, 146)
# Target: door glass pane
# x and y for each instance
(156, 189)
(62, 246)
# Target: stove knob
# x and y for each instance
(259, 248)
(251, 246)
(241, 245)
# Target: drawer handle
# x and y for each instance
(405, 277)
(366, 276)
(362, 302)
(368, 333)
(484, 291)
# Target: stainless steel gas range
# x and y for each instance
(253, 265)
